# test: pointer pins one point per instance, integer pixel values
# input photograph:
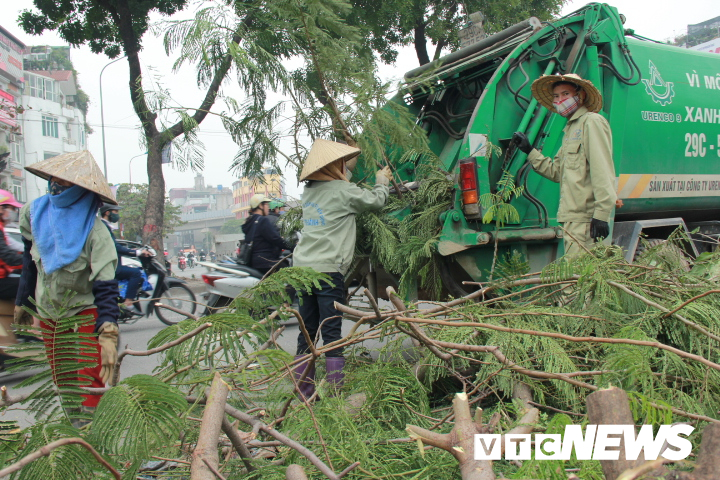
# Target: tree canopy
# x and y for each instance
(389, 24)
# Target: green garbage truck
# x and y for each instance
(662, 103)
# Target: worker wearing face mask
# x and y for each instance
(583, 166)
(69, 270)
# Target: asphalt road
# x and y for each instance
(136, 336)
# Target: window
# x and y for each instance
(17, 154)
(17, 190)
(49, 126)
(42, 87)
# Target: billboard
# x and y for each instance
(11, 56)
(713, 46)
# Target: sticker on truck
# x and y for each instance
(667, 186)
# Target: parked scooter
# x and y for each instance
(161, 288)
(227, 279)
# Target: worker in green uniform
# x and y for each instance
(327, 244)
(69, 266)
(583, 166)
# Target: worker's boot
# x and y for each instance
(306, 388)
(335, 376)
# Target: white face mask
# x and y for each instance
(568, 106)
(348, 173)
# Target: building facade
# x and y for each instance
(271, 184)
(205, 209)
(12, 52)
(42, 112)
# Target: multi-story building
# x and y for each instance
(53, 120)
(204, 210)
(11, 132)
(271, 183)
(42, 112)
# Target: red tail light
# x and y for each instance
(210, 279)
(469, 181)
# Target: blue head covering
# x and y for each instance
(61, 224)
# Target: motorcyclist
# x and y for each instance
(10, 258)
(213, 256)
(276, 209)
(191, 259)
(267, 242)
(110, 213)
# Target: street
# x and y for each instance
(135, 336)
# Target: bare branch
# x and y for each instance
(47, 449)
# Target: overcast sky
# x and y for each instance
(658, 19)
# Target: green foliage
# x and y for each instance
(132, 199)
(93, 22)
(139, 417)
(69, 461)
(495, 204)
(388, 25)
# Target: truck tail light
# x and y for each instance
(469, 181)
(210, 279)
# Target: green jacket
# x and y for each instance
(96, 262)
(584, 168)
(327, 241)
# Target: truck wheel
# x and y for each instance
(670, 251)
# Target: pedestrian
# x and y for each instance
(267, 244)
(583, 166)
(327, 244)
(69, 266)
(109, 214)
(10, 258)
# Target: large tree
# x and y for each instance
(389, 24)
(115, 27)
(132, 199)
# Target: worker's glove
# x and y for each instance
(108, 340)
(599, 229)
(521, 141)
(21, 317)
(383, 176)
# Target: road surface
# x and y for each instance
(136, 336)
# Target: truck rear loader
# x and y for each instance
(662, 103)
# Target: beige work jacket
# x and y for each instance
(584, 168)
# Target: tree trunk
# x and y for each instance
(421, 43)
(155, 205)
(612, 407)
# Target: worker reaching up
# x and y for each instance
(583, 166)
(327, 244)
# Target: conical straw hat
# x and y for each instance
(325, 152)
(79, 168)
(542, 90)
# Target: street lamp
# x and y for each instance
(102, 114)
(130, 165)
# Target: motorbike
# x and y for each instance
(14, 346)
(225, 280)
(213, 257)
(191, 262)
(182, 263)
(159, 287)
(202, 257)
